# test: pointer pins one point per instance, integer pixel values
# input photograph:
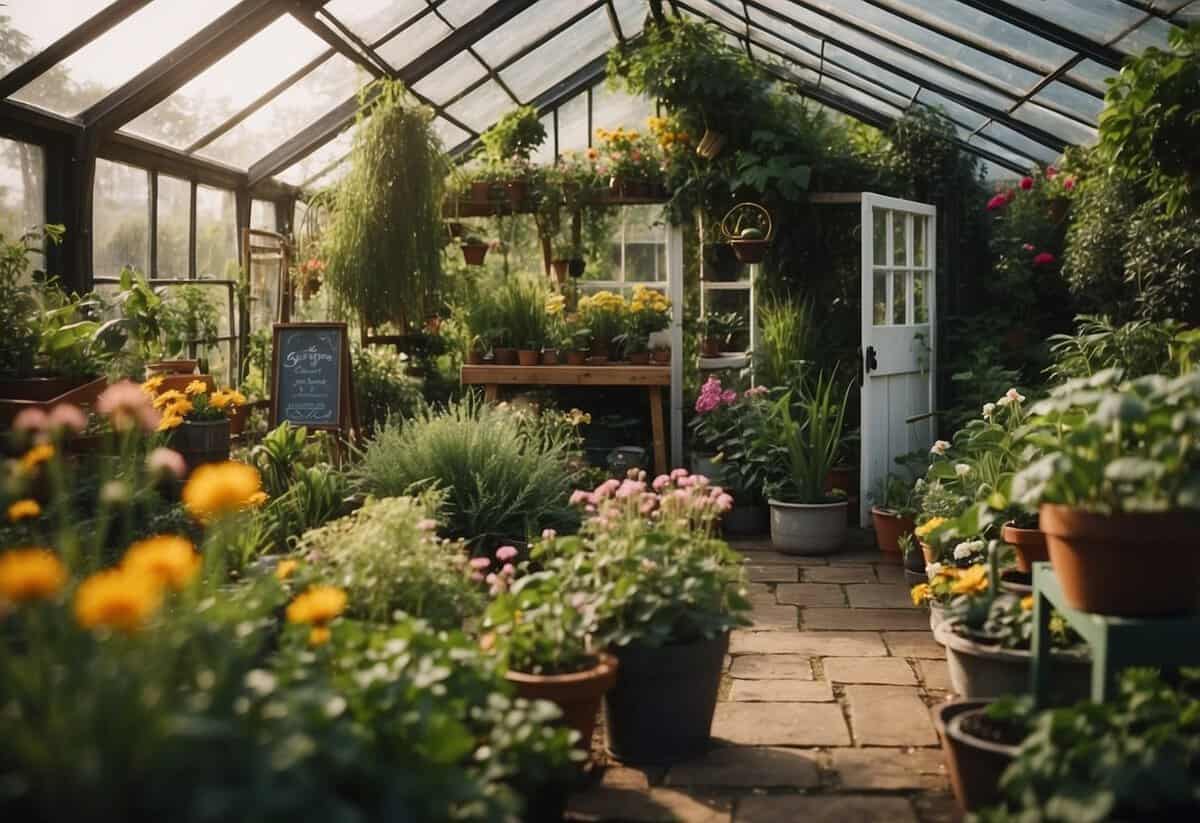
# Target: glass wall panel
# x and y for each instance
(573, 124)
(31, 25)
(119, 54)
(612, 108)
(174, 216)
(330, 84)
(482, 107)
(216, 233)
(230, 84)
(631, 15)
(22, 188)
(262, 215)
(121, 218)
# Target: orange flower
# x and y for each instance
(122, 599)
(170, 558)
(30, 574)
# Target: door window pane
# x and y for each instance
(22, 188)
(121, 218)
(900, 298)
(879, 299)
(920, 226)
(879, 236)
(216, 233)
(920, 298)
(174, 216)
(899, 239)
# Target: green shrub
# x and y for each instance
(503, 475)
(387, 558)
(381, 389)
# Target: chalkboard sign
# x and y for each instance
(311, 376)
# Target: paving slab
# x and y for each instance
(781, 691)
(810, 594)
(772, 573)
(774, 558)
(935, 675)
(869, 555)
(625, 777)
(602, 803)
(880, 596)
(915, 644)
(889, 716)
(872, 620)
(771, 667)
(812, 644)
(889, 769)
(891, 574)
(748, 767)
(773, 616)
(893, 671)
(838, 574)
(781, 724)
(824, 809)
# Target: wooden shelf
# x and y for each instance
(725, 285)
(465, 209)
(615, 375)
(733, 360)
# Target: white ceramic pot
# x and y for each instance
(808, 528)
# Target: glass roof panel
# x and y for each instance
(371, 19)
(1151, 33)
(793, 71)
(461, 12)
(1092, 74)
(900, 101)
(780, 47)
(525, 28)
(1070, 99)
(330, 84)
(588, 39)
(452, 77)
(573, 124)
(855, 96)
(1189, 15)
(321, 159)
(612, 108)
(856, 65)
(1070, 130)
(1003, 151)
(1099, 20)
(119, 54)
(720, 14)
(955, 111)
(414, 41)
(631, 14)
(1013, 138)
(31, 25)
(482, 107)
(331, 177)
(230, 84)
(450, 134)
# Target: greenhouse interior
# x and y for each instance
(724, 411)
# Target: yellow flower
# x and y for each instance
(122, 599)
(1027, 602)
(971, 581)
(153, 384)
(257, 499)
(317, 606)
(226, 398)
(169, 421)
(920, 593)
(30, 574)
(169, 558)
(180, 408)
(195, 387)
(215, 489)
(926, 528)
(36, 456)
(285, 569)
(319, 636)
(578, 417)
(23, 510)
(555, 303)
(168, 397)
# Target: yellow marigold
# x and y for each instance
(169, 421)
(926, 528)
(195, 387)
(168, 557)
(180, 408)
(122, 599)
(168, 397)
(555, 303)
(972, 580)
(1027, 602)
(23, 510)
(317, 606)
(319, 636)
(30, 574)
(153, 384)
(36, 456)
(257, 499)
(215, 489)
(285, 569)
(920, 593)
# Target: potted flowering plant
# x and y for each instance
(603, 313)
(805, 519)
(718, 330)
(631, 159)
(649, 312)
(197, 418)
(474, 249)
(662, 593)
(1119, 482)
(893, 511)
(576, 339)
(554, 305)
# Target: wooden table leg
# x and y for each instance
(491, 392)
(659, 427)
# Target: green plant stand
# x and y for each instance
(1116, 642)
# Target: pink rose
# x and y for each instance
(1051, 172)
(1027, 247)
(997, 202)
(729, 396)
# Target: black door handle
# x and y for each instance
(871, 363)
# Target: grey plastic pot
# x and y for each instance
(975, 764)
(937, 616)
(982, 671)
(808, 528)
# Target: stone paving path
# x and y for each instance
(823, 713)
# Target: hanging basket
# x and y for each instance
(474, 253)
(710, 144)
(749, 243)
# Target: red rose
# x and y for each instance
(1043, 259)
(1069, 183)
(1026, 183)
(997, 202)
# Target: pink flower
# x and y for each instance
(700, 480)
(678, 473)
(1051, 172)
(163, 462)
(508, 570)
(477, 577)
(427, 525)
(1069, 184)
(1027, 247)
(606, 489)
(997, 202)
(725, 502)
(755, 391)
(1026, 183)
(549, 534)
(661, 482)
(579, 497)
(127, 405)
(30, 420)
(729, 396)
(68, 417)
(505, 553)
(706, 403)
(480, 563)
(1043, 259)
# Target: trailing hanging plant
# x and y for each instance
(383, 247)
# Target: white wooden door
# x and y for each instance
(899, 334)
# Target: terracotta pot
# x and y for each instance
(516, 192)
(474, 254)
(889, 528)
(45, 393)
(1029, 543)
(504, 356)
(549, 357)
(1131, 565)
(927, 550)
(237, 420)
(172, 367)
(474, 358)
(528, 357)
(975, 764)
(561, 269)
(661, 357)
(578, 694)
(710, 347)
(639, 358)
(576, 358)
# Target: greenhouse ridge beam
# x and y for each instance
(1031, 22)
(68, 44)
(332, 123)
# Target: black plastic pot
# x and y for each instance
(746, 520)
(545, 802)
(576, 266)
(661, 709)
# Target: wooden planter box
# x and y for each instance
(45, 393)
